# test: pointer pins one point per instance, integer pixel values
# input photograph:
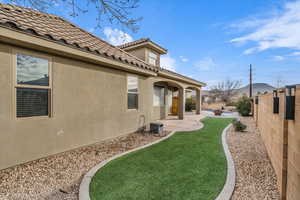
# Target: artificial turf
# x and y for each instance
(186, 166)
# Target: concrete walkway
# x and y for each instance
(190, 122)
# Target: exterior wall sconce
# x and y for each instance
(275, 102)
(290, 102)
(256, 100)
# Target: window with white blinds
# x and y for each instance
(159, 96)
(152, 58)
(132, 92)
(33, 88)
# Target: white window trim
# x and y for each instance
(127, 92)
(15, 85)
(152, 57)
(163, 97)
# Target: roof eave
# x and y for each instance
(181, 78)
(26, 40)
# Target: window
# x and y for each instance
(159, 96)
(132, 92)
(32, 85)
(152, 57)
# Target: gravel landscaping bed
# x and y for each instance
(59, 176)
(255, 176)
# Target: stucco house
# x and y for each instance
(63, 88)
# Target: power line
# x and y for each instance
(250, 86)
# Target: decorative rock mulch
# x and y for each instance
(58, 177)
(255, 176)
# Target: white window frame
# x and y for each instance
(128, 92)
(152, 56)
(159, 98)
(16, 85)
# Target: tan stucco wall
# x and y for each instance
(158, 112)
(143, 54)
(140, 53)
(89, 105)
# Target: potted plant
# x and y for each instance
(218, 112)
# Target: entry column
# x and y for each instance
(166, 103)
(198, 101)
(181, 103)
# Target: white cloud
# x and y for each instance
(279, 58)
(183, 59)
(280, 30)
(91, 30)
(296, 53)
(116, 36)
(248, 23)
(167, 62)
(205, 64)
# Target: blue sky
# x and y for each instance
(213, 40)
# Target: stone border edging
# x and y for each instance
(84, 189)
(229, 186)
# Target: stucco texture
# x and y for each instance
(89, 104)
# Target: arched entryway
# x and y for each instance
(168, 99)
(193, 97)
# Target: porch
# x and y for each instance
(190, 122)
(169, 99)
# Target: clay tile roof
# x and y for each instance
(137, 42)
(142, 40)
(59, 30)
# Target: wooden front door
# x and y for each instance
(175, 105)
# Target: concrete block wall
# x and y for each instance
(282, 141)
(293, 164)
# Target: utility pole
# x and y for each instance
(250, 86)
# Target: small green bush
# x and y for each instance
(239, 126)
(243, 106)
(190, 105)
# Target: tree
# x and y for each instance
(112, 11)
(225, 90)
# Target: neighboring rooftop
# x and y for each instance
(143, 42)
(59, 30)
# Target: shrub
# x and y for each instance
(243, 106)
(190, 105)
(239, 126)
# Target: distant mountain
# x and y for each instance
(257, 88)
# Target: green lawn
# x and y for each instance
(188, 165)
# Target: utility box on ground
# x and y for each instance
(156, 128)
